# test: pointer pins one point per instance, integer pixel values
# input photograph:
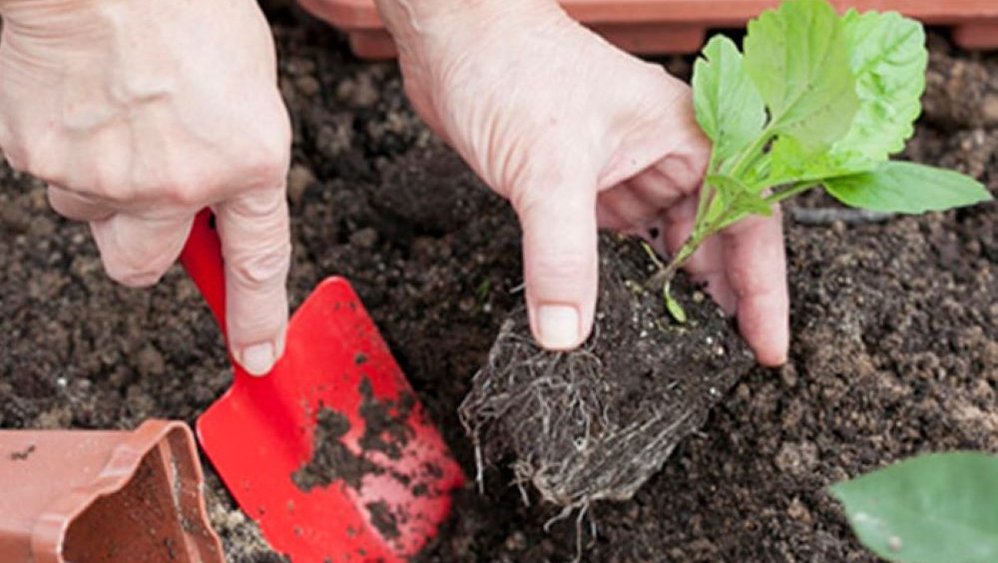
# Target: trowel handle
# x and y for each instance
(202, 258)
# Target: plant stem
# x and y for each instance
(701, 231)
(664, 276)
(725, 218)
(707, 193)
(791, 191)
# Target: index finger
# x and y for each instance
(256, 243)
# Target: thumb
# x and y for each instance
(560, 263)
(256, 243)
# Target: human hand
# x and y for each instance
(577, 134)
(138, 114)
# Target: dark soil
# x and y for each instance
(383, 519)
(385, 428)
(894, 351)
(332, 460)
(386, 431)
(597, 422)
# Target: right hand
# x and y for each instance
(140, 113)
(578, 135)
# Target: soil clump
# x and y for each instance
(597, 422)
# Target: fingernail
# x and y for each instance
(258, 359)
(559, 326)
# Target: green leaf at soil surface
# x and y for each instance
(675, 309)
(728, 107)
(888, 57)
(932, 508)
(798, 58)
(906, 187)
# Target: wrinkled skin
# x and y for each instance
(575, 133)
(579, 135)
(138, 114)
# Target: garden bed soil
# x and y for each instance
(894, 351)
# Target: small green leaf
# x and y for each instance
(798, 58)
(936, 507)
(675, 309)
(728, 107)
(888, 58)
(906, 187)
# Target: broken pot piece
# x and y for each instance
(104, 496)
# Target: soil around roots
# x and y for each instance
(597, 422)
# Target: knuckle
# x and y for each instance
(267, 166)
(534, 191)
(32, 159)
(131, 262)
(560, 269)
(268, 157)
(160, 181)
(16, 157)
(130, 274)
(184, 193)
(175, 188)
(263, 268)
(108, 186)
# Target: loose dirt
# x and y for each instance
(894, 352)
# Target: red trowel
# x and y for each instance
(331, 452)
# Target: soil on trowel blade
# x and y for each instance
(386, 427)
(386, 430)
(331, 459)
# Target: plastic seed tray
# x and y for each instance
(676, 26)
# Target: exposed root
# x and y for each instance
(552, 411)
(595, 423)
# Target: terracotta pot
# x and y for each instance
(103, 496)
(675, 26)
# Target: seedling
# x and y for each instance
(817, 99)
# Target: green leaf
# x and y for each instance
(675, 309)
(906, 187)
(789, 161)
(936, 507)
(888, 58)
(798, 58)
(728, 107)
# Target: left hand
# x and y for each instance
(138, 113)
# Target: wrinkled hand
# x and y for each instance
(577, 134)
(139, 113)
